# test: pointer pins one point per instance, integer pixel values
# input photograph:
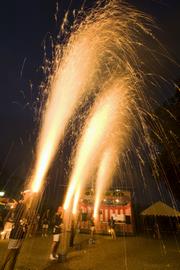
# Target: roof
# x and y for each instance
(160, 209)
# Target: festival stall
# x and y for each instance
(162, 215)
(116, 204)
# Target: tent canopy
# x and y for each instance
(160, 209)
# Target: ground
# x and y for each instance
(126, 253)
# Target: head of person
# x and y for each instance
(60, 210)
(26, 195)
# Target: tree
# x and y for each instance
(169, 142)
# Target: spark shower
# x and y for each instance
(106, 56)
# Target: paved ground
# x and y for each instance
(126, 253)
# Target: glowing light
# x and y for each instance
(2, 193)
(104, 177)
(118, 138)
(94, 50)
(101, 58)
(76, 200)
(70, 194)
(89, 150)
(66, 92)
(95, 213)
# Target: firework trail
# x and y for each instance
(103, 57)
(104, 42)
(108, 124)
(116, 29)
(122, 33)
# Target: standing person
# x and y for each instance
(18, 232)
(92, 230)
(45, 224)
(57, 229)
(112, 227)
(156, 233)
(34, 222)
(8, 223)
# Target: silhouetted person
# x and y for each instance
(156, 233)
(18, 232)
(57, 229)
(92, 230)
(45, 223)
(112, 228)
(34, 223)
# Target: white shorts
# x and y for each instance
(56, 237)
(45, 226)
(15, 243)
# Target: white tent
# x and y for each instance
(160, 209)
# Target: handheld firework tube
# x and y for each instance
(31, 200)
(66, 232)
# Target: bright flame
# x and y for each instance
(76, 200)
(66, 93)
(119, 139)
(41, 165)
(101, 57)
(96, 135)
(104, 176)
(98, 49)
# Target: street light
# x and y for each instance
(2, 193)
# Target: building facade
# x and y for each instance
(116, 203)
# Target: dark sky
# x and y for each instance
(25, 26)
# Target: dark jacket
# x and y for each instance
(56, 224)
(20, 222)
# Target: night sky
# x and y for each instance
(26, 27)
